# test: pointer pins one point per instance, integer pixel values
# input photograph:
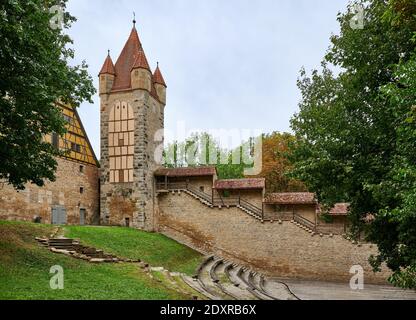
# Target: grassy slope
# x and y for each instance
(153, 248)
(24, 272)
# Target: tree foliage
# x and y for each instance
(276, 164)
(356, 130)
(203, 149)
(35, 73)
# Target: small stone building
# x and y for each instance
(247, 190)
(284, 206)
(335, 221)
(74, 197)
(200, 178)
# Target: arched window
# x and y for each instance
(121, 142)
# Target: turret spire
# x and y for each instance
(108, 66)
(157, 77)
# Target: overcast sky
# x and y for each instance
(227, 63)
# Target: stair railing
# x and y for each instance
(251, 207)
(303, 221)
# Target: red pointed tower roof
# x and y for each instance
(141, 61)
(108, 66)
(125, 62)
(157, 76)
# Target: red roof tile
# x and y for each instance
(126, 61)
(240, 184)
(141, 61)
(340, 209)
(108, 66)
(157, 77)
(186, 172)
(290, 198)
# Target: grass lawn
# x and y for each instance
(24, 269)
(153, 248)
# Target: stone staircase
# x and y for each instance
(218, 279)
(304, 227)
(215, 278)
(72, 247)
(206, 200)
(250, 212)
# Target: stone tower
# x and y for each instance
(132, 114)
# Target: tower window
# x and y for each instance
(81, 190)
(81, 169)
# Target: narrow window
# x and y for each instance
(81, 169)
(81, 190)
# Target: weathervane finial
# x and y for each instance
(134, 18)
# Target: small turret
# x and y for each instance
(141, 77)
(107, 75)
(160, 85)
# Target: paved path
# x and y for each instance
(319, 290)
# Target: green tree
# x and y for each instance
(356, 130)
(35, 73)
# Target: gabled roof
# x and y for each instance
(108, 66)
(76, 133)
(158, 78)
(236, 184)
(186, 172)
(126, 60)
(290, 198)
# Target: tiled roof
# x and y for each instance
(141, 61)
(290, 198)
(126, 61)
(240, 184)
(340, 209)
(157, 77)
(187, 172)
(108, 66)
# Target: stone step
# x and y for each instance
(244, 274)
(254, 279)
(208, 283)
(196, 285)
(277, 289)
(229, 286)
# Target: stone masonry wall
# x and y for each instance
(65, 191)
(275, 249)
(134, 201)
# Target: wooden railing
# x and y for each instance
(256, 210)
(307, 223)
(215, 201)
